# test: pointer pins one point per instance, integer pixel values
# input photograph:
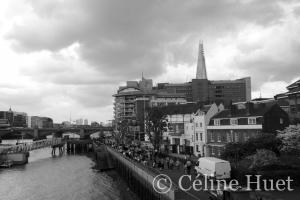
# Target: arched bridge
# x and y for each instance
(40, 133)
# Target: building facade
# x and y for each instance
(241, 122)
(186, 132)
(290, 101)
(41, 122)
(14, 119)
(132, 100)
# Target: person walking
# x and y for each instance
(188, 166)
(177, 164)
(171, 164)
(168, 162)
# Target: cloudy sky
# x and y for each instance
(62, 56)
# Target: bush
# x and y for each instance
(263, 157)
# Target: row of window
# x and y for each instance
(231, 137)
(216, 151)
(201, 137)
(199, 124)
(234, 121)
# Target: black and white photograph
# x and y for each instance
(150, 100)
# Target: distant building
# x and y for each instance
(290, 101)
(66, 124)
(132, 100)
(242, 121)
(86, 122)
(58, 125)
(95, 124)
(41, 122)
(79, 122)
(14, 119)
(4, 123)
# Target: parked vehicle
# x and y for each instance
(213, 167)
(232, 195)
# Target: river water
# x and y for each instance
(66, 177)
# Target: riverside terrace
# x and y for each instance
(41, 133)
(146, 160)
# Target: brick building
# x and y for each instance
(241, 122)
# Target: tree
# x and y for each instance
(263, 157)
(290, 138)
(123, 130)
(156, 125)
(235, 152)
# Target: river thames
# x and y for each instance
(61, 178)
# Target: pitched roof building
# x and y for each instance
(243, 121)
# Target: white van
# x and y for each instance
(213, 167)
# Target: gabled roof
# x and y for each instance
(295, 84)
(181, 108)
(258, 111)
(293, 90)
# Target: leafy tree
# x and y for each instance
(123, 130)
(235, 152)
(263, 157)
(156, 125)
(290, 138)
(265, 141)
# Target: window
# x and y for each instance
(217, 122)
(201, 137)
(233, 121)
(228, 137)
(246, 137)
(196, 124)
(211, 137)
(236, 137)
(196, 136)
(200, 124)
(251, 120)
(281, 121)
(219, 151)
(212, 151)
(197, 148)
(219, 137)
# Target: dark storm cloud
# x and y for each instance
(123, 38)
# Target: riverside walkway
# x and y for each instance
(26, 147)
(174, 174)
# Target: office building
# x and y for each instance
(132, 100)
(14, 119)
(41, 122)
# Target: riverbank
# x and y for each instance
(125, 192)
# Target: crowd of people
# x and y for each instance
(152, 158)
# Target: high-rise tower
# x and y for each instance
(201, 67)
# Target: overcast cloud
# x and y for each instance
(60, 57)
